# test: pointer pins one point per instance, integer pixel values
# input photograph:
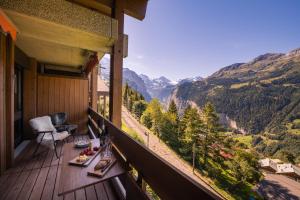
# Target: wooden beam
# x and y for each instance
(136, 8)
(2, 100)
(102, 6)
(116, 67)
(133, 8)
(94, 79)
(9, 101)
(29, 96)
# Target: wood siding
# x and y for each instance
(9, 101)
(2, 100)
(6, 101)
(64, 94)
(29, 95)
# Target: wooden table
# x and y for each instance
(75, 177)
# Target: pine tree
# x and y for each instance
(210, 133)
(130, 104)
(190, 128)
(153, 112)
(138, 108)
(125, 95)
(170, 127)
(172, 108)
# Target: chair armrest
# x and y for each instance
(62, 127)
(57, 126)
(39, 132)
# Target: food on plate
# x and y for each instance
(101, 164)
(87, 152)
(96, 148)
(90, 153)
(82, 158)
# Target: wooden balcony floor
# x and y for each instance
(38, 178)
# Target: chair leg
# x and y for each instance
(55, 150)
(38, 145)
(54, 143)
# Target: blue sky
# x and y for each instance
(180, 39)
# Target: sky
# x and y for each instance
(180, 39)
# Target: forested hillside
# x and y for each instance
(262, 95)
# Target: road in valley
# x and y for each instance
(279, 187)
(162, 149)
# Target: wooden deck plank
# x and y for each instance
(3, 179)
(101, 193)
(61, 155)
(50, 183)
(70, 196)
(56, 186)
(109, 191)
(29, 184)
(9, 183)
(49, 158)
(90, 193)
(22, 159)
(39, 184)
(55, 160)
(14, 192)
(41, 159)
(80, 194)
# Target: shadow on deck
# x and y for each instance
(38, 178)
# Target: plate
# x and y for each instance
(84, 163)
(81, 144)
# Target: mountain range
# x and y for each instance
(260, 95)
(150, 88)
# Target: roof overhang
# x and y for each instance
(133, 8)
(60, 32)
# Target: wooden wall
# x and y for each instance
(2, 111)
(29, 96)
(63, 94)
(6, 101)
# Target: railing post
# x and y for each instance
(116, 68)
(194, 148)
(141, 183)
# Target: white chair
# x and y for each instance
(47, 134)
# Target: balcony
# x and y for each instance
(48, 63)
(39, 176)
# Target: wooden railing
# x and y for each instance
(167, 181)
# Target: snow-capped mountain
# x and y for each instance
(159, 88)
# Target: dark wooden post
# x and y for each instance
(2, 99)
(116, 66)
(9, 101)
